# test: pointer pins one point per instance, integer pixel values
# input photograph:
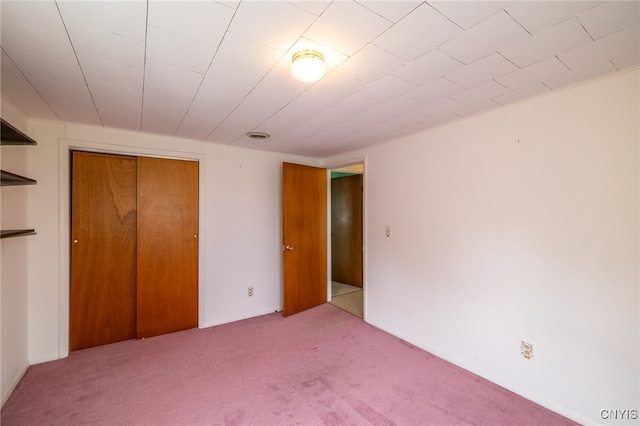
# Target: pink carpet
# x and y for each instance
(322, 366)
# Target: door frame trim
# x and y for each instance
(65, 146)
(336, 165)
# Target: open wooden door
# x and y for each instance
(304, 214)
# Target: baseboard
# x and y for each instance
(531, 396)
(47, 358)
(239, 318)
(14, 383)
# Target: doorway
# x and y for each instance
(347, 284)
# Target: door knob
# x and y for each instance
(287, 247)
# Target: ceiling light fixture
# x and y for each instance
(308, 66)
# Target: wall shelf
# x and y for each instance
(13, 136)
(11, 179)
(8, 233)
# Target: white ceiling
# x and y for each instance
(215, 70)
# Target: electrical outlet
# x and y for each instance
(387, 231)
(249, 291)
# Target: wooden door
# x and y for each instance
(304, 194)
(103, 250)
(167, 246)
(346, 230)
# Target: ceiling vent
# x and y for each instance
(258, 135)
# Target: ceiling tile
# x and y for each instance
(240, 64)
(298, 111)
(398, 106)
(391, 10)
(312, 6)
(233, 129)
(435, 90)
(274, 24)
(548, 42)
(476, 108)
(387, 88)
(120, 119)
(406, 119)
(481, 71)
(424, 27)
(538, 15)
(34, 65)
(428, 67)
(16, 87)
(98, 43)
(166, 48)
(71, 102)
(335, 27)
(213, 70)
(490, 35)
(325, 120)
(620, 43)
(468, 13)
(36, 41)
(162, 76)
(196, 126)
(539, 72)
(111, 72)
(332, 89)
(439, 107)
(274, 92)
(43, 15)
(481, 93)
(204, 22)
(114, 97)
(356, 104)
(158, 124)
(610, 18)
(626, 60)
(155, 104)
(581, 75)
(434, 121)
(217, 100)
(123, 18)
(519, 94)
(370, 64)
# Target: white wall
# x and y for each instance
(518, 224)
(240, 226)
(13, 261)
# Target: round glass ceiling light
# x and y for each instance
(308, 66)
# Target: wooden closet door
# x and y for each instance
(167, 297)
(103, 250)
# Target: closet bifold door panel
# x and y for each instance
(134, 248)
(103, 250)
(167, 267)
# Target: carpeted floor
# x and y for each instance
(321, 366)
